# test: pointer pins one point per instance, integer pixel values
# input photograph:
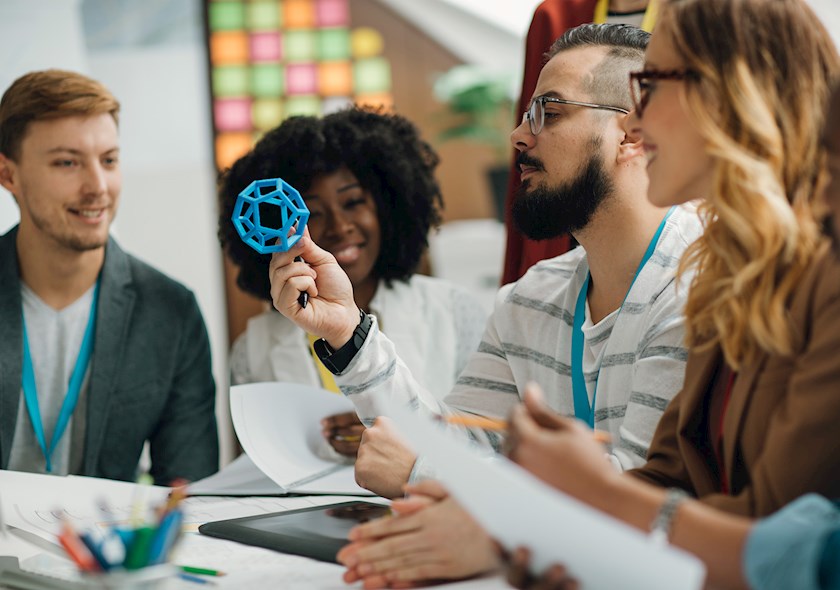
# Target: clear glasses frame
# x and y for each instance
(535, 115)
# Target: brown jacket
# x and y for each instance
(781, 434)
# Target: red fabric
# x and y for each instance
(551, 19)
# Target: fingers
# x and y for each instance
(521, 426)
(341, 421)
(430, 488)
(384, 527)
(358, 555)
(534, 401)
(343, 432)
(288, 281)
(517, 571)
(348, 448)
(411, 505)
(519, 575)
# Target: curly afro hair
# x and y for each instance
(384, 152)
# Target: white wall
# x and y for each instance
(829, 13)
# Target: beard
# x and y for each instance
(545, 212)
(63, 236)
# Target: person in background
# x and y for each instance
(583, 170)
(368, 180)
(100, 352)
(551, 19)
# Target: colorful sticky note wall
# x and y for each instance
(272, 59)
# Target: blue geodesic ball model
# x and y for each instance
(265, 213)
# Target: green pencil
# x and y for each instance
(200, 570)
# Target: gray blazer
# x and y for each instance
(150, 375)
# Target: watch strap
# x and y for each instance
(336, 361)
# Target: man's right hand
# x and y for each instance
(332, 313)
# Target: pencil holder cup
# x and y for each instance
(270, 215)
(145, 578)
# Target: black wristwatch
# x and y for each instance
(337, 360)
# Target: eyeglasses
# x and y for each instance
(641, 86)
(535, 115)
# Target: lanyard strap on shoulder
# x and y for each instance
(583, 409)
(648, 22)
(71, 398)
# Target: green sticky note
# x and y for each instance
(226, 16)
(267, 80)
(230, 81)
(371, 75)
(303, 105)
(299, 45)
(333, 44)
(263, 16)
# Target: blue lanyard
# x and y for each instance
(583, 410)
(30, 392)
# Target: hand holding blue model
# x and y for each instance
(332, 313)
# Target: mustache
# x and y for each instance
(523, 159)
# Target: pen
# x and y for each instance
(346, 438)
(496, 424)
(95, 549)
(303, 298)
(165, 536)
(137, 556)
(200, 570)
(192, 578)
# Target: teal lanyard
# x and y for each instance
(583, 410)
(30, 392)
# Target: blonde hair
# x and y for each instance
(765, 68)
(49, 94)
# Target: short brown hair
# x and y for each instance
(49, 94)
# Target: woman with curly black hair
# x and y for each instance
(368, 180)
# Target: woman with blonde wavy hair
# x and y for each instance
(731, 106)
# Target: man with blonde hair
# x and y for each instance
(100, 353)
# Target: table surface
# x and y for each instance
(27, 501)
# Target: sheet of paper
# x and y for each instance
(518, 509)
(279, 426)
(240, 478)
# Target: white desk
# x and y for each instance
(27, 500)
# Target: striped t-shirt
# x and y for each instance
(528, 338)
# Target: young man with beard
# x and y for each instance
(600, 328)
(99, 352)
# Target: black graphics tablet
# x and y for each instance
(318, 532)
